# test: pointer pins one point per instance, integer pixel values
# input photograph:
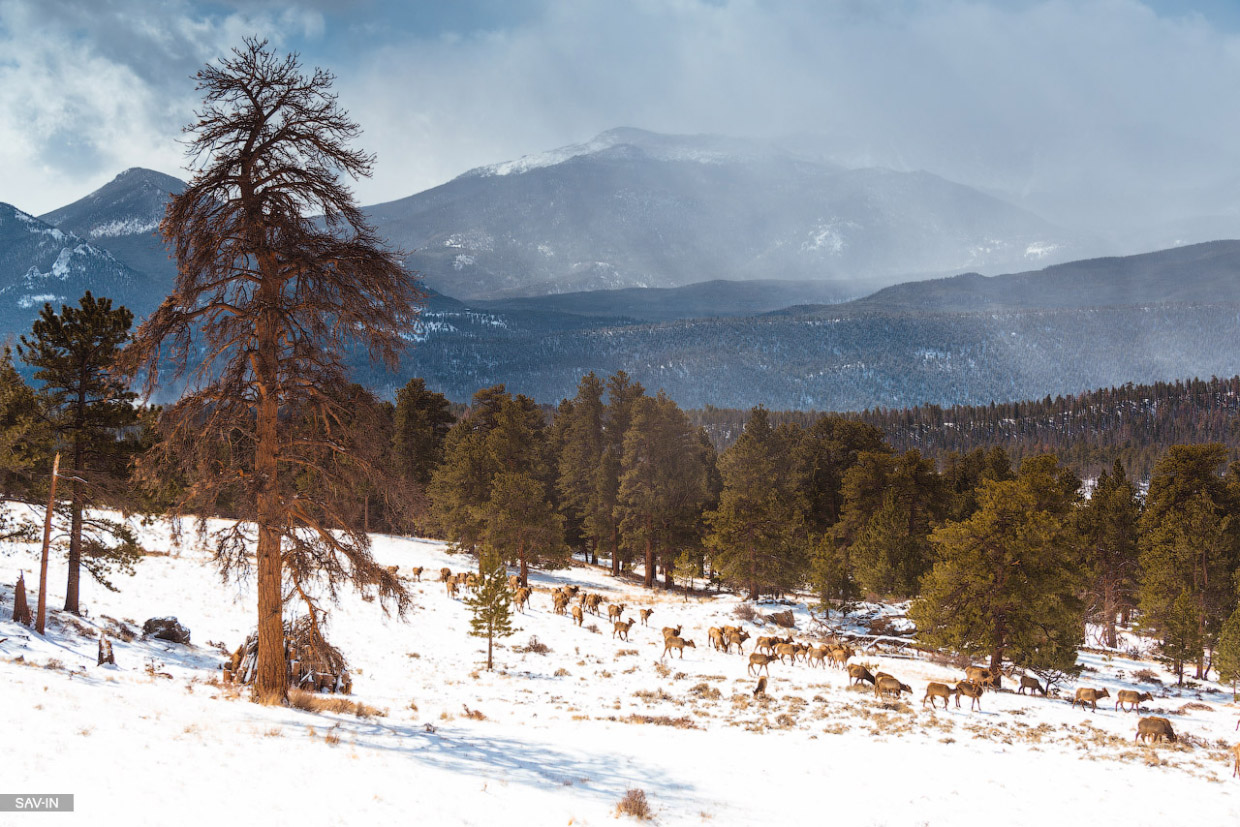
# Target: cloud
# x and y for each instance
(1104, 111)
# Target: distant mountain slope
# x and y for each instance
(40, 263)
(123, 216)
(1207, 273)
(692, 301)
(636, 209)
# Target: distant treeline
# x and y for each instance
(1134, 424)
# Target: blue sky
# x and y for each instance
(1107, 110)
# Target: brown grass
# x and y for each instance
(318, 704)
(683, 722)
(635, 804)
(535, 647)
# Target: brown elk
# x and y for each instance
(559, 602)
(714, 636)
(1031, 684)
(622, 627)
(514, 581)
(760, 691)
(614, 611)
(522, 597)
(887, 685)
(1235, 751)
(936, 690)
(971, 690)
(646, 613)
(416, 573)
(735, 637)
(761, 661)
(670, 632)
(981, 676)
(769, 643)
(444, 574)
(1128, 697)
(839, 655)
(787, 650)
(577, 616)
(1154, 728)
(677, 643)
(818, 654)
(593, 602)
(1089, 696)
(858, 673)
(450, 586)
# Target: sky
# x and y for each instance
(1114, 111)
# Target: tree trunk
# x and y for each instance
(525, 564)
(648, 578)
(1109, 610)
(490, 640)
(668, 583)
(271, 675)
(72, 588)
(615, 551)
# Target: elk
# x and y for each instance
(760, 691)
(936, 690)
(981, 676)
(769, 643)
(1155, 728)
(593, 602)
(761, 661)
(1127, 696)
(1031, 684)
(735, 636)
(971, 690)
(514, 581)
(522, 597)
(577, 616)
(1089, 696)
(450, 586)
(394, 570)
(677, 643)
(714, 637)
(670, 632)
(416, 573)
(1235, 751)
(817, 654)
(839, 655)
(560, 602)
(622, 627)
(614, 611)
(646, 613)
(887, 685)
(858, 673)
(444, 574)
(787, 650)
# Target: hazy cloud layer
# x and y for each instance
(1112, 111)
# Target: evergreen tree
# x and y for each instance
(422, 420)
(963, 475)
(757, 532)
(24, 438)
(831, 447)
(603, 518)
(490, 605)
(1007, 580)
(89, 408)
(1188, 553)
(1108, 525)
(579, 456)
(890, 504)
(461, 485)
(663, 480)
(1227, 654)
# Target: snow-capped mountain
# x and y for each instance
(123, 217)
(40, 263)
(636, 209)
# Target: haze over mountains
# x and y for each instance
(741, 274)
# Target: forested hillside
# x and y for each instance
(1134, 424)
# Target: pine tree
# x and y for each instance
(422, 420)
(1007, 580)
(490, 605)
(1188, 553)
(579, 458)
(1108, 525)
(831, 447)
(1227, 655)
(24, 438)
(663, 483)
(757, 532)
(89, 408)
(603, 518)
(279, 277)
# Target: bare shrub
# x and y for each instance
(534, 647)
(562, 672)
(635, 804)
(745, 611)
(706, 692)
(623, 653)
(1147, 676)
(683, 722)
(474, 714)
(313, 702)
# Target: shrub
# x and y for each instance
(313, 702)
(745, 611)
(635, 804)
(535, 646)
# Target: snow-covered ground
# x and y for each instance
(558, 738)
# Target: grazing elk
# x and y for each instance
(1031, 684)
(444, 574)
(758, 662)
(1154, 728)
(646, 613)
(677, 643)
(1135, 699)
(887, 685)
(1089, 696)
(621, 628)
(971, 690)
(936, 690)
(760, 691)
(858, 673)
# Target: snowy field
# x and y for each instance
(559, 737)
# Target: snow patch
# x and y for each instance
(128, 226)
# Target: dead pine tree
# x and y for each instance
(21, 609)
(279, 279)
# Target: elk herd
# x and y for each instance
(572, 601)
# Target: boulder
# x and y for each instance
(165, 628)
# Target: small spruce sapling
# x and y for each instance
(491, 605)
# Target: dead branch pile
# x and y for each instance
(313, 664)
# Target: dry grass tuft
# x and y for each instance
(706, 692)
(635, 804)
(313, 702)
(534, 647)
